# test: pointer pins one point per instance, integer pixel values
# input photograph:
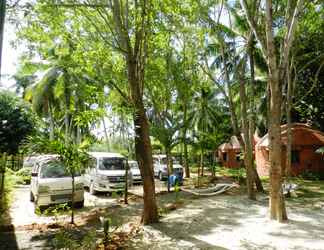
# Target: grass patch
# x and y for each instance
(11, 179)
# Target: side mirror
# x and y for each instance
(34, 174)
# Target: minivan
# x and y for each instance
(161, 167)
(52, 184)
(136, 173)
(106, 173)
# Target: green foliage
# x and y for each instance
(73, 155)
(70, 240)
(25, 173)
(17, 122)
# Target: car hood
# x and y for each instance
(112, 172)
(59, 183)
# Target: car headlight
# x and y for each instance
(43, 189)
(79, 186)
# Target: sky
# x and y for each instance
(9, 57)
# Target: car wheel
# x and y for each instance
(32, 198)
(91, 189)
(160, 176)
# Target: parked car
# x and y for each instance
(51, 183)
(25, 171)
(161, 168)
(106, 173)
(29, 161)
(136, 174)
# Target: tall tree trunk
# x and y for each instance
(184, 141)
(72, 199)
(143, 146)
(51, 121)
(202, 162)
(252, 116)
(276, 202)
(169, 165)
(2, 21)
(248, 151)
(277, 211)
(2, 172)
(106, 133)
(288, 114)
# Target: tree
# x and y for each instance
(222, 64)
(2, 21)
(16, 123)
(203, 118)
(128, 24)
(276, 75)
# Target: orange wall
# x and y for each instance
(231, 159)
(308, 161)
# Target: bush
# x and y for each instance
(25, 174)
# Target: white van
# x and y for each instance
(136, 173)
(160, 167)
(52, 184)
(106, 173)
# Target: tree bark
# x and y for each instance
(252, 117)
(72, 200)
(2, 21)
(248, 151)
(201, 162)
(184, 141)
(276, 202)
(51, 121)
(143, 146)
(169, 166)
(288, 114)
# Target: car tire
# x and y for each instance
(160, 176)
(31, 197)
(91, 189)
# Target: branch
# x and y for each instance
(253, 26)
(290, 34)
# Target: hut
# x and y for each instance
(229, 153)
(305, 141)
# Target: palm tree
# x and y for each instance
(43, 97)
(203, 117)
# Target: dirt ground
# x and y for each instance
(227, 221)
(232, 222)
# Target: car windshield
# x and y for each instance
(53, 169)
(133, 165)
(111, 164)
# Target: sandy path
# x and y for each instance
(233, 222)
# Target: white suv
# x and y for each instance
(106, 173)
(52, 184)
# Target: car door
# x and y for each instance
(34, 178)
(88, 174)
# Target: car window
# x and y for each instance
(133, 165)
(53, 169)
(111, 164)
